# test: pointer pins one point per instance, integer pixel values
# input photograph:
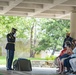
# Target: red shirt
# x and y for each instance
(63, 51)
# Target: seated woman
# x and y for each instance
(65, 56)
(73, 55)
(57, 59)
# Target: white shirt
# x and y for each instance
(74, 52)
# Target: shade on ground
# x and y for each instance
(35, 71)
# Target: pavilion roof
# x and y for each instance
(38, 8)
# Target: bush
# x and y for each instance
(50, 57)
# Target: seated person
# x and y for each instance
(67, 63)
(57, 58)
(73, 64)
(63, 57)
(72, 61)
(68, 38)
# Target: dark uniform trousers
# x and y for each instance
(10, 56)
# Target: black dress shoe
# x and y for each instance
(10, 69)
(74, 72)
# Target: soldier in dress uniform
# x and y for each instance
(10, 48)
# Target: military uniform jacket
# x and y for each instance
(10, 42)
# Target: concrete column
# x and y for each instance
(73, 25)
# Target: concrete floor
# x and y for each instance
(35, 71)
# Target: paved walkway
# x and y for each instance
(35, 71)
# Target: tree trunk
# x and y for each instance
(53, 51)
(31, 42)
(34, 45)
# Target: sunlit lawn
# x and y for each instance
(3, 59)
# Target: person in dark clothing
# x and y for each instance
(72, 56)
(68, 38)
(10, 48)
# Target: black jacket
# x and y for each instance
(10, 42)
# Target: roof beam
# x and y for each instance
(46, 7)
(47, 16)
(62, 8)
(22, 10)
(11, 5)
(7, 0)
(22, 15)
(34, 6)
(4, 3)
(16, 14)
(69, 3)
(64, 15)
(54, 12)
(38, 1)
(1, 8)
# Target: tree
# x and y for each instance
(52, 34)
(44, 33)
(21, 23)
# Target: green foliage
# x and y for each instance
(48, 33)
(21, 23)
(47, 58)
(52, 34)
(50, 57)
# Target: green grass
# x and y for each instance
(3, 59)
(1, 74)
